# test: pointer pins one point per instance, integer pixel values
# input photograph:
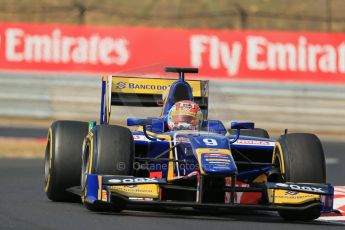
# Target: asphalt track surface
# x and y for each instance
(23, 132)
(23, 205)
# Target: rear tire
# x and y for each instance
(112, 154)
(256, 132)
(63, 159)
(300, 159)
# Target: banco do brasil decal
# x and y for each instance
(120, 85)
(144, 86)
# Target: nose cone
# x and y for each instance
(217, 163)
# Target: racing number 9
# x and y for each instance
(210, 142)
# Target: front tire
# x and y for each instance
(112, 153)
(300, 159)
(63, 159)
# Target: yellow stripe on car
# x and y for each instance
(290, 197)
(140, 190)
(50, 139)
(90, 138)
(99, 194)
(281, 155)
(260, 179)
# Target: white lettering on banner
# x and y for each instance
(58, 48)
(254, 49)
(197, 45)
(341, 58)
(221, 54)
(281, 56)
(328, 60)
(261, 54)
(303, 56)
(13, 41)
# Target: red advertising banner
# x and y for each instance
(224, 54)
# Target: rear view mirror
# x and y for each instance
(242, 125)
(152, 124)
(155, 125)
(139, 121)
(238, 126)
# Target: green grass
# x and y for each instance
(309, 15)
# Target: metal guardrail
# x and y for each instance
(275, 106)
(313, 108)
(49, 96)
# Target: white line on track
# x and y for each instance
(332, 161)
(337, 219)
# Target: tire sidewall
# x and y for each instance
(65, 158)
(297, 151)
(102, 151)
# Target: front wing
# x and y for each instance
(147, 191)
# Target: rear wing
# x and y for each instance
(145, 92)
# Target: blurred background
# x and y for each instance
(31, 100)
(307, 15)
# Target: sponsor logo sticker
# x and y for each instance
(120, 85)
(293, 197)
(300, 187)
(254, 142)
(148, 85)
(133, 180)
(142, 190)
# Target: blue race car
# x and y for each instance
(181, 158)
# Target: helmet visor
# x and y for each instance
(184, 119)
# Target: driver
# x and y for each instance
(185, 115)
